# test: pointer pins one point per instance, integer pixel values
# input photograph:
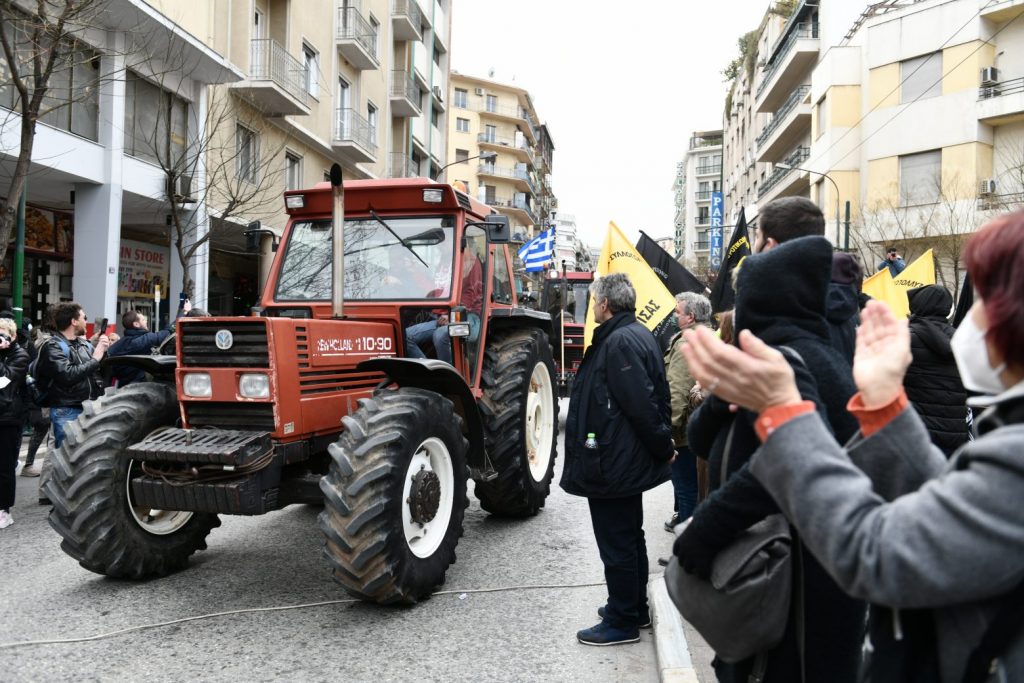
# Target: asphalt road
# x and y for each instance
(520, 634)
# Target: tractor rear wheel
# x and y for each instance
(395, 496)
(520, 410)
(89, 488)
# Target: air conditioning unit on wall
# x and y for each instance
(180, 188)
(987, 187)
(437, 93)
(989, 76)
(478, 91)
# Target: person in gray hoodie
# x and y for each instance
(888, 516)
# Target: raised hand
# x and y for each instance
(882, 355)
(756, 377)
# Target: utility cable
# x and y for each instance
(283, 608)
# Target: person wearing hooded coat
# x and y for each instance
(932, 382)
(843, 307)
(781, 298)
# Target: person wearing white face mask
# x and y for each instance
(890, 519)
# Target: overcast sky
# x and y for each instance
(621, 86)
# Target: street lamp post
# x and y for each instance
(486, 156)
(823, 175)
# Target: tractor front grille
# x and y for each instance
(248, 347)
(230, 415)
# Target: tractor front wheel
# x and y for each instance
(395, 496)
(89, 487)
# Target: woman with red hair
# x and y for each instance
(890, 519)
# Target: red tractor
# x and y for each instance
(321, 398)
(566, 297)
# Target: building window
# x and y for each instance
(920, 177)
(490, 133)
(293, 171)
(921, 77)
(374, 34)
(822, 114)
(327, 176)
(461, 155)
(247, 150)
(462, 125)
(311, 60)
(371, 120)
(461, 98)
(492, 103)
(155, 123)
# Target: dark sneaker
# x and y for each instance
(645, 617)
(602, 634)
(670, 525)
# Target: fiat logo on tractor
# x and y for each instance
(224, 339)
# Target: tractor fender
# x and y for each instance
(439, 377)
(161, 367)
(505, 318)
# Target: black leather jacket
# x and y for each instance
(73, 377)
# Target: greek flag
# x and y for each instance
(538, 251)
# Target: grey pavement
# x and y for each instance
(519, 634)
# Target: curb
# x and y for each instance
(674, 664)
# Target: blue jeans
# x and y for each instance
(60, 417)
(684, 482)
(421, 332)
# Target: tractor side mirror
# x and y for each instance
(252, 237)
(498, 230)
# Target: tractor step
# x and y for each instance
(202, 447)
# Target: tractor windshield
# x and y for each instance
(412, 260)
(575, 309)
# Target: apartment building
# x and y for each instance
(699, 174)
(679, 213)
(500, 152)
(197, 116)
(911, 111)
(568, 245)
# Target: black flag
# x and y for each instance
(723, 297)
(676, 277)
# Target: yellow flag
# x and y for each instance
(881, 287)
(918, 274)
(653, 300)
(893, 291)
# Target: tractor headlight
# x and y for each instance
(197, 384)
(458, 330)
(254, 385)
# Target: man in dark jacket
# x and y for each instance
(842, 308)
(71, 376)
(138, 340)
(781, 296)
(932, 382)
(618, 444)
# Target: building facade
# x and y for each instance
(699, 174)
(202, 116)
(499, 122)
(569, 248)
(908, 116)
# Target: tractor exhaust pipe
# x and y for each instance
(338, 244)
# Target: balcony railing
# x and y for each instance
(1001, 202)
(409, 10)
(401, 166)
(702, 196)
(1010, 87)
(514, 203)
(353, 26)
(271, 62)
(351, 127)
(808, 29)
(780, 115)
(701, 245)
(522, 145)
(698, 141)
(506, 172)
(702, 221)
(709, 168)
(799, 155)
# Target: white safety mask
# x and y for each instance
(971, 354)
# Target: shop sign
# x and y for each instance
(48, 232)
(142, 267)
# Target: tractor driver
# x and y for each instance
(471, 298)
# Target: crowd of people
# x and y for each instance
(47, 372)
(856, 426)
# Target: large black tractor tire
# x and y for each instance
(92, 509)
(520, 411)
(395, 496)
